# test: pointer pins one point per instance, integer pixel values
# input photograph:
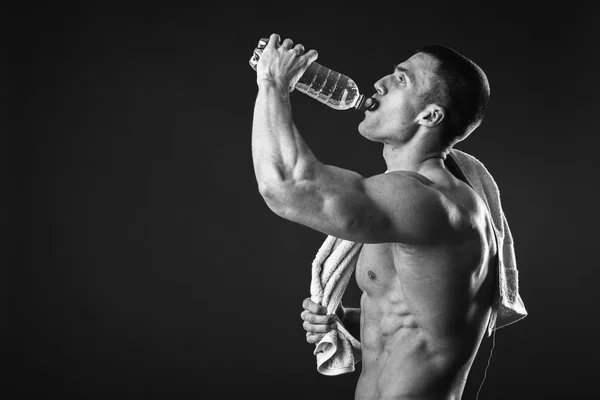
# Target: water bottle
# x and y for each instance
(329, 87)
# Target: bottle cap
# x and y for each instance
(262, 43)
(366, 104)
(371, 104)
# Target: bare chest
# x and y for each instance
(385, 267)
(438, 285)
(375, 269)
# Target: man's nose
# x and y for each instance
(380, 86)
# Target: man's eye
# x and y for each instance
(401, 78)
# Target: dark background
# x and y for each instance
(146, 265)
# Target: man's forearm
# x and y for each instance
(278, 151)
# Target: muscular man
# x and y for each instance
(426, 266)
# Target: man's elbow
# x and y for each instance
(281, 190)
(288, 201)
(273, 195)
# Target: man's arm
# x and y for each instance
(393, 207)
(277, 147)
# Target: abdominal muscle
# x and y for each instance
(412, 345)
(397, 362)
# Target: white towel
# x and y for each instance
(332, 268)
(508, 306)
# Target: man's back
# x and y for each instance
(424, 308)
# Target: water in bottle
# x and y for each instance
(329, 87)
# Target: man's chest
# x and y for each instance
(375, 268)
(384, 267)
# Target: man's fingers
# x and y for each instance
(314, 337)
(313, 307)
(299, 49)
(317, 328)
(273, 41)
(287, 44)
(316, 318)
(311, 55)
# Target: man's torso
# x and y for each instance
(424, 309)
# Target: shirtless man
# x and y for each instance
(426, 266)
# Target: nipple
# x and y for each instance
(372, 276)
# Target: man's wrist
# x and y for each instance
(270, 84)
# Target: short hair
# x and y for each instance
(462, 88)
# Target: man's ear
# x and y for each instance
(431, 115)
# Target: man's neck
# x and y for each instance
(411, 157)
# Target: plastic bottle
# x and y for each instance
(329, 87)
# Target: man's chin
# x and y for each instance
(362, 128)
(365, 132)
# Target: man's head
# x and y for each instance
(460, 87)
(436, 88)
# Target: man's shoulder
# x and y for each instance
(444, 204)
(470, 215)
(454, 192)
(466, 208)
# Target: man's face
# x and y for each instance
(399, 95)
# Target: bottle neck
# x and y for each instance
(366, 103)
(360, 103)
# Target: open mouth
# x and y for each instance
(371, 104)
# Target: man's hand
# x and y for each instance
(316, 321)
(283, 64)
